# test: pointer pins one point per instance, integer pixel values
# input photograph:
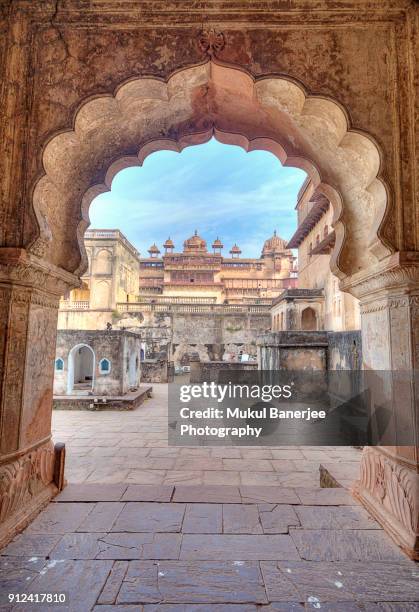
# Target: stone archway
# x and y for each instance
(111, 132)
(81, 369)
(195, 104)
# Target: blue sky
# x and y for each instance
(220, 190)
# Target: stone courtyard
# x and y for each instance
(145, 526)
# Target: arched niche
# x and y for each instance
(103, 262)
(275, 114)
(309, 319)
(81, 369)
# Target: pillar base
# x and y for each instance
(27, 484)
(389, 490)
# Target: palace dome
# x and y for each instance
(235, 250)
(154, 249)
(195, 244)
(169, 244)
(217, 244)
(273, 245)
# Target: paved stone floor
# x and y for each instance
(145, 527)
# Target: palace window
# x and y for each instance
(104, 366)
(59, 365)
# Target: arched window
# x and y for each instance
(308, 319)
(59, 364)
(103, 262)
(104, 366)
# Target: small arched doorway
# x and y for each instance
(81, 370)
(308, 319)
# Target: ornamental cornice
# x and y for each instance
(17, 266)
(399, 271)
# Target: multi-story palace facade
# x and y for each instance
(197, 272)
(317, 303)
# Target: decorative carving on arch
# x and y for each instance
(112, 132)
(211, 42)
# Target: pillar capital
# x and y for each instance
(19, 267)
(395, 275)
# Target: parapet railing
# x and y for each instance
(77, 305)
(175, 300)
(194, 308)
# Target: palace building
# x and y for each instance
(117, 276)
(195, 271)
(316, 303)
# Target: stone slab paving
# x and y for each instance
(146, 527)
(110, 447)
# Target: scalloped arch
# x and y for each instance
(271, 113)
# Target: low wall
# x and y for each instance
(293, 350)
(156, 371)
(208, 371)
(310, 350)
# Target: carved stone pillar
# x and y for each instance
(29, 294)
(389, 477)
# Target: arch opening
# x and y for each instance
(212, 100)
(81, 370)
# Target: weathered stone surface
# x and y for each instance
(335, 517)
(266, 494)
(216, 494)
(203, 518)
(60, 518)
(343, 545)
(82, 581)
(277, 606)
(91, 492)
(402, 606)
(325, 497)
(148, 493)
(17, 575)
(149, 517)
(237, 547)
(118, 546)
(241, 518)
(246, 465)
(278, 585)
(278, 519)
(196, 582)
(113, 583)
(112, 608)
(337, 582)
(31, 545)
(182, 608)
(201, 608)
(102, 517)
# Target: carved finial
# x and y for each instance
(211, 42)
